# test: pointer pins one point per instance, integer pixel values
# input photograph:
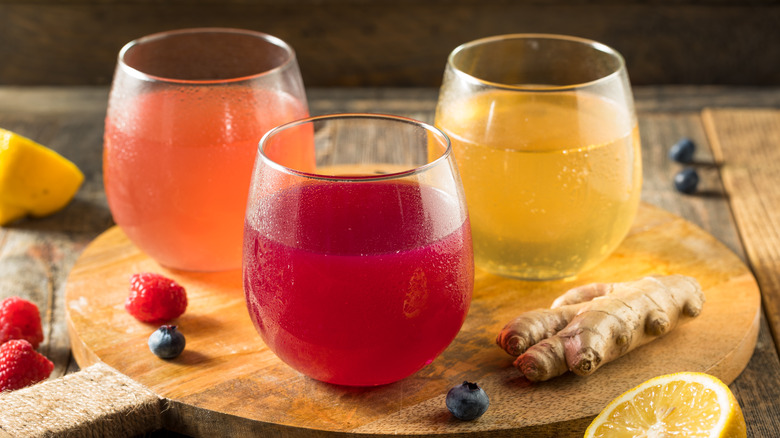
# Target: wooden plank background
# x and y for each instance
(745, 147)
(400, 42)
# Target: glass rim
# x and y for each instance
(585, 42)
(445, 154)
(203, 30)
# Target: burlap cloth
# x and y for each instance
(97, 401)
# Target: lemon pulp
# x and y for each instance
(676, 405)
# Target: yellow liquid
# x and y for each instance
(552, 180)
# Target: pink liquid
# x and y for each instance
(348, 289)
(177, 166)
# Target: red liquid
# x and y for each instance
(177, 167)
(349, 289)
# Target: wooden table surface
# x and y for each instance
(737, 132)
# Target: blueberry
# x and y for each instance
(167, 342)
(467, 401)
(686, 180)
(682, 151)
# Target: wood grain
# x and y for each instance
(228, 371)
(37, 254)
(745, 143)
(399, 42)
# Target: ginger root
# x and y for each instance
(591, 325)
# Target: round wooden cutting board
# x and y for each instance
(228, 383)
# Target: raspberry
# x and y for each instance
(19, 319)
(21, 365)
(154, 298)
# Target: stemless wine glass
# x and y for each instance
(185, 113)
(360, 271)
(545, 134)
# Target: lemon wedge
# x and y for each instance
(691, 405)
(34, 179)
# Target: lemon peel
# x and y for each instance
(34, 180)
(685, 404)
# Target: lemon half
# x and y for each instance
(691, 405)
(34, 179)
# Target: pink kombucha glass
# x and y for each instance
(186, 111)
